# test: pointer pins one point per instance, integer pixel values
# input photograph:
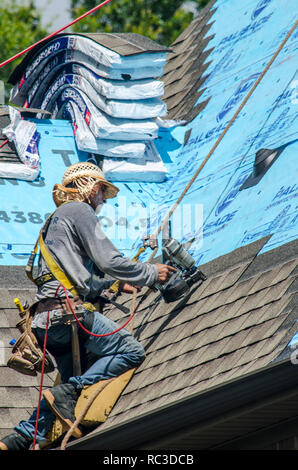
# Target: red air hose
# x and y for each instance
(3, 143)
(89, 332)
(42, 374)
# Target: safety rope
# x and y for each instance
(41, 381)
(84, 411)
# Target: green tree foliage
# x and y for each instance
(20, 27)
(160, 20)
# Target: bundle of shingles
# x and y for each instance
(19, 156)
(107, 85)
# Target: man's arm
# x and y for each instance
(106, 256)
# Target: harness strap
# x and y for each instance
(41, 280)
(55, 269)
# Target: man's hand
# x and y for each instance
(128, 288)
(164, 272)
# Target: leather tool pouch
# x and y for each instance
(26, 354)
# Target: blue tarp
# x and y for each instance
(246, 36)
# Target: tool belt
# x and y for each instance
(27, 355)
(47, 305)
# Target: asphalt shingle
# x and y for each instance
(229, 327)
(184, 73)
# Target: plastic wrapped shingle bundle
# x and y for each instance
(19, 156)
(107, 85)
(121, 108)
(101, 124)
(86, 139)
(149, 168)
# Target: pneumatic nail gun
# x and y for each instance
(187, 273)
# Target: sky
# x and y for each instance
(55, 11)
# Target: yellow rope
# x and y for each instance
(194, 177)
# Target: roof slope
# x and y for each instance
(18, 392)
(236, 323)
(242, 39)
(242, 319)
(239, 321)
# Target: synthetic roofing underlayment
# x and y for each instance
(240, 214)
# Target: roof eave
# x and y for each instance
(193, 410)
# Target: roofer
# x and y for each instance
(77, 243)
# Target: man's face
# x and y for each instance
(97, 198)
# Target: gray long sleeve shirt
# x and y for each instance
(77, 243)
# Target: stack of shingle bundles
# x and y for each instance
(107, 85)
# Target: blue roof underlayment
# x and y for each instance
(246, 35)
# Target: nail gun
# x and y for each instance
(187, 273)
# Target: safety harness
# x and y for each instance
(27, 348)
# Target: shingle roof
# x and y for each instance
(126, 44)
(236, 323)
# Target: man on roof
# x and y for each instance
(77, 244)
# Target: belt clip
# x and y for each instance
(80, 309)
(150, 241)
